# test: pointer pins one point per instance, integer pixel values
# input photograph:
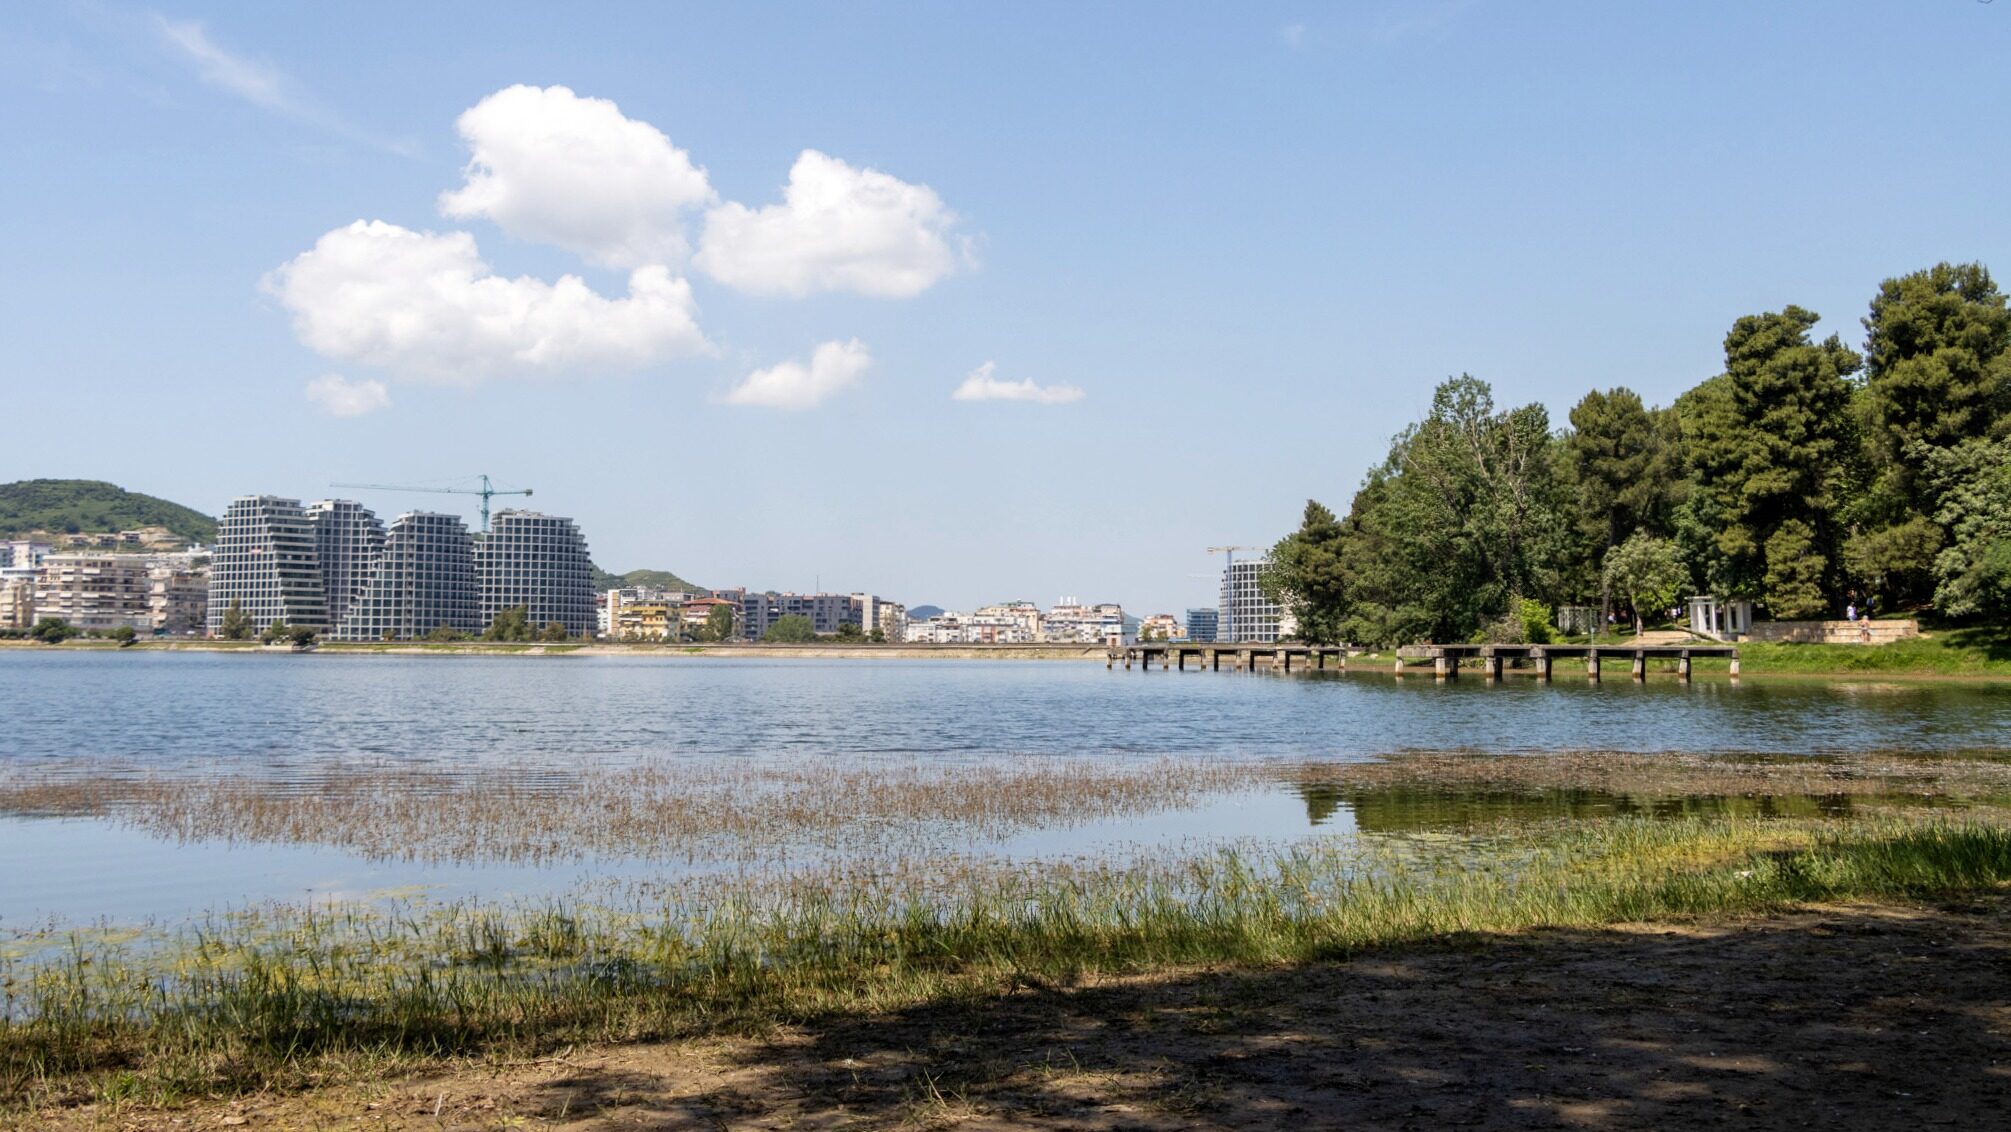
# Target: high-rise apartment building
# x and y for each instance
(266, 560)
(423, 578)
(540, 562)
(347, 539)
(1248, 616)
(95, 590)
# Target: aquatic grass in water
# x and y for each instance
(281, 995)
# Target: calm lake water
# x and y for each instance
(289, 719)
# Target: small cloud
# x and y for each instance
(1294, 35)
(838, 228)
(550, 166)
(981, 385)
(793, 385)
(260, 84)
(337, 396)
(256, 83)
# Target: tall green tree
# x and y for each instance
(1937, 374)
(1768, 450)
(1307, 575)
(719, 623)
(1973, 573)
(1647, 571)
(512, 624)
(1623, 470)
(235, 625)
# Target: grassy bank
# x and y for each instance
(282, 997)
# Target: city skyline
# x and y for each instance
(970, 370)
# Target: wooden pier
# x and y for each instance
(1445, 660)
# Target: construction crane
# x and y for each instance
(1228, 630)
(485, 491)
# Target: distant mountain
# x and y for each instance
(661, 579)
(89, 506)
(924, 612)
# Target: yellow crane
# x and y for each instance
(485, 491)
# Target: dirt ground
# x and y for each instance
(1882, 1016)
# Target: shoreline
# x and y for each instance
(1374, 664)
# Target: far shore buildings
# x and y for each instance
(1068, 621)
(1159, 627)
(332, 566)
(1202, 625)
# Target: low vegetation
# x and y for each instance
(278, 997)
(78, 506)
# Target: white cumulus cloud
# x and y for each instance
(548, 165)
(793, 385)
(837, 229)
(425, 305)
(339, 397)
(983, 384)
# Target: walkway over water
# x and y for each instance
(1445, 659)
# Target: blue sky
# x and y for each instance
(1252, 237)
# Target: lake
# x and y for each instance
(156, 786)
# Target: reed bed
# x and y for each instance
(746, 813)
(288, 995)
(714, 810)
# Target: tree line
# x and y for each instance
(1807, 477)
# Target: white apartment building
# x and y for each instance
(177, 600)
(347, 540)
(17, 602)
(95, 591)
(540, 562)
(1072, 622)
(265, 560)
(1160, 627)
(421, 578)
(1247, 616)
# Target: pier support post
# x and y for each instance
(1109, 660)
(1683, 668)
(1284, 656)
(1438, 668)
(1543, 667)
(1640, 667)
(1319, 660)
(1180, 660)
(1127, 660)
(1246, 660)
(1592, 665)
(1735, 668)
(1211, 659)
(1399, 668)
(1491, 665)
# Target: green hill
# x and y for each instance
(76, 506)
(662, 579)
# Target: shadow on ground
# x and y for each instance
(1874, 1017)
(1852, 1017)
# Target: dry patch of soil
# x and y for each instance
(1868, 1016)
